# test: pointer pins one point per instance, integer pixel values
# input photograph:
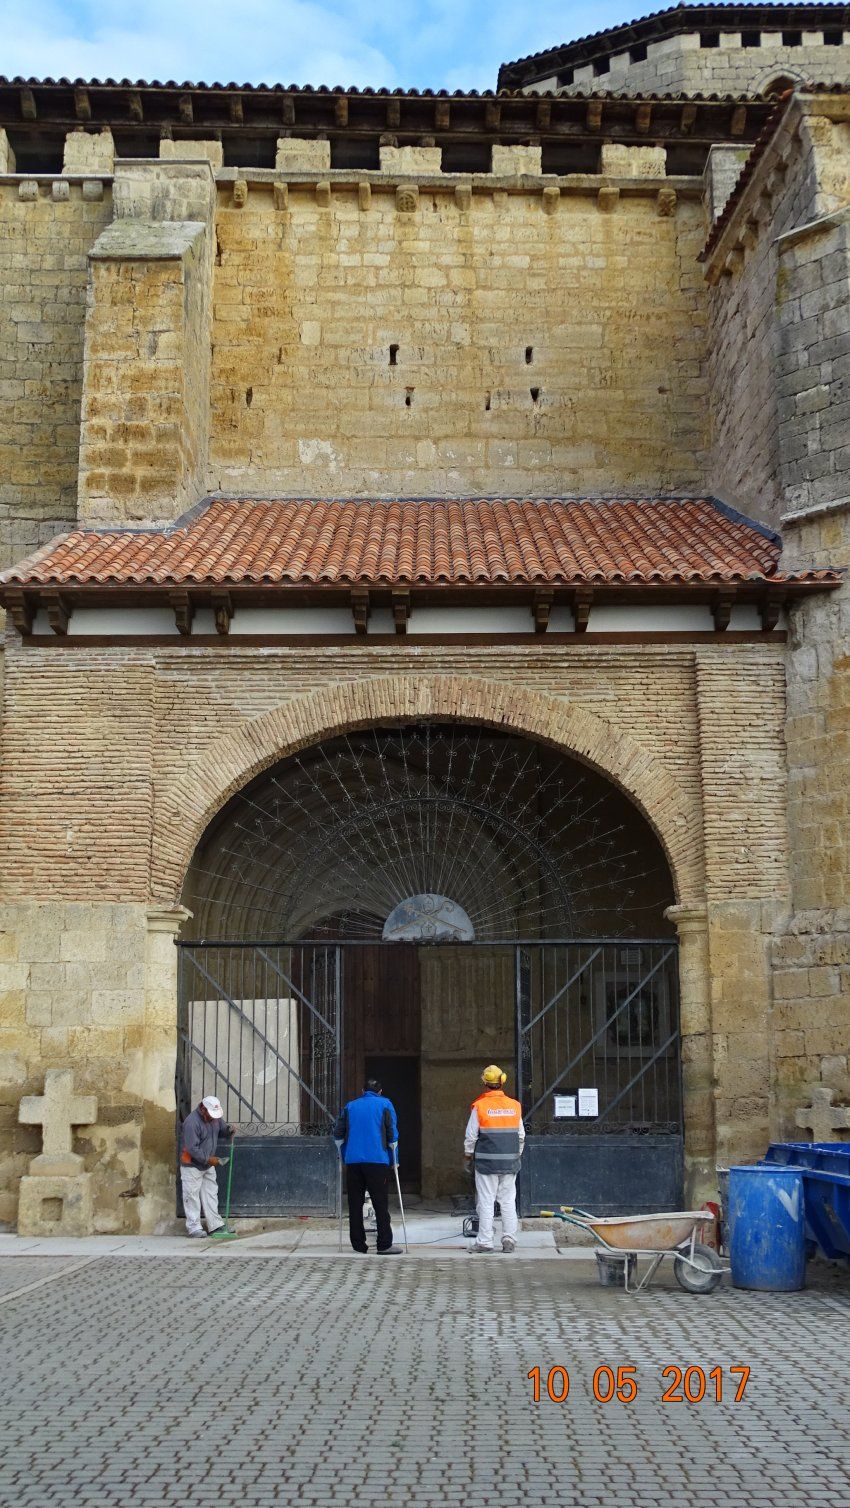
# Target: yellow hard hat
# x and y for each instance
(493, 1076)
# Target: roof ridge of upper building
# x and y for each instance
(670, 21)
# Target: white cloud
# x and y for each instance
(455, 44)
(270, 41)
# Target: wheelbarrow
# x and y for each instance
(696, 1267)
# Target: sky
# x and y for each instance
(407, 44)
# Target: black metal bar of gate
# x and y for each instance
(261, 1024)
(599, 1074)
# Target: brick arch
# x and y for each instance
(208, 783)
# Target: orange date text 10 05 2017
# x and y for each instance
(620, 1384)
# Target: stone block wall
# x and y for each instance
(145, 408)
(781, 325)
(680, 63)
(144, 414)
(44, 244)
(812, 958)
(801, 175)
(92, 987)
(813, 315)
(432, 342)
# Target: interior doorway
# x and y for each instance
(400, 1080)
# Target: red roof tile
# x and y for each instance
(510, 540)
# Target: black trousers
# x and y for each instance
(372, 1178)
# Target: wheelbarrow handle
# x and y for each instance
(563, 1212)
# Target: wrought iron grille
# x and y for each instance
(600, 1014)
(260, 1026)
(435, 832)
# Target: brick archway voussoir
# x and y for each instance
(209, 782)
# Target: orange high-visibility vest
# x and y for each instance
(499, 1119)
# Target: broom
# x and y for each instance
(226, 1233)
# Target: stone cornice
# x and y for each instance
(750, 208)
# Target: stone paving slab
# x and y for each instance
(22, 1272)
(362, 1382)
(429, 1236)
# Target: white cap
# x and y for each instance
(213, 1107)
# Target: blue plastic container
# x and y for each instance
(826, 1183)
(767, 1233)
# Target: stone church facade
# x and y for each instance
(327, 412)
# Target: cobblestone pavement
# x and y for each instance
(353, 1381)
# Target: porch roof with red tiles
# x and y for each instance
(421, 542)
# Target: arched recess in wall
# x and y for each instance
(778, 84)
(431, 831)
(186, 810)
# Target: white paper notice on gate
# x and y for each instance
(565, 1106)
(588, 1102)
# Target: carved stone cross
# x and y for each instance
(57, 1111)
(822, 1117)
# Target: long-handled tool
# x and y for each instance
(394, 1146)
(225, 1231)
(339, 1145)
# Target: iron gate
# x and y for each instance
(600, 1019)
(260, 1026)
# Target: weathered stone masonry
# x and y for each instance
(403, 330)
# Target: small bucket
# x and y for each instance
(612, 1270)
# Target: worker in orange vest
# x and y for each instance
(495, 1136)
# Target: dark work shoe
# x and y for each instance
(390, 1251)
(197, 1235)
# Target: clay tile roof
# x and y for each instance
(552, 541)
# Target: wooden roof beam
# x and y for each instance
(222, 605)
(184, 611)
(360, 609)
(21, 608)
(401, 610)
(58, 612)
(442, 115)
(582, 603)
(541, 607)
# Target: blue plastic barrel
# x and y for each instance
(767, 1241)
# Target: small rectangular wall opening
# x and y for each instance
(51, 1210)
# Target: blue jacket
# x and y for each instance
(366, 1128)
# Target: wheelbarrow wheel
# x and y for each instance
(700, 1275)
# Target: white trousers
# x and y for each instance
(490, 1187)
(200, 1192)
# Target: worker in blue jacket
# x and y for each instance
(367, 1137)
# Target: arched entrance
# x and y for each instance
(413, 901)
